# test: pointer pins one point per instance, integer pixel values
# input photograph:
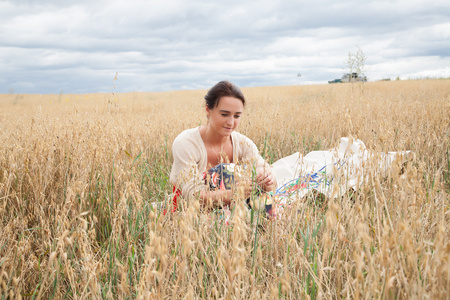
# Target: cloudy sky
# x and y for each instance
(49, 46)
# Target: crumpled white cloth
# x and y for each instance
(298, 174)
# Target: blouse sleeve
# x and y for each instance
(185, 174)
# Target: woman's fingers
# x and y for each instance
(264, 178)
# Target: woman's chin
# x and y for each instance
(227, 131)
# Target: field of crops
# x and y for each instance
(80, 176)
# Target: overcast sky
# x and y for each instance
(49, 46)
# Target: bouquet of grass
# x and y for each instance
(222, 177)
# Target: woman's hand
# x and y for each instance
(266, 180)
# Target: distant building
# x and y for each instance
(349, 77)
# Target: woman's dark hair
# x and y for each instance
(221, 89)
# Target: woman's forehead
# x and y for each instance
(230, 104)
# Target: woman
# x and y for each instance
(197, 150)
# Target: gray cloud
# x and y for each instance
(48, 46)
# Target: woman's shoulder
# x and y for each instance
(188, 134)
(240, 137)
(187, 139)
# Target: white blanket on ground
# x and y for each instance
(298, 174)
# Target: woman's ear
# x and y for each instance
(208, 111)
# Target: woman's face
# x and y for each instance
(225, 117)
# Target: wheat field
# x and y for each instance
(82, 178)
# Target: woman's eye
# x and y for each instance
(224, 115)
(237, 116)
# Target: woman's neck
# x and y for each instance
(213, 138)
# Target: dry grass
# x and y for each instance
(79, 174)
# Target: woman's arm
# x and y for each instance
(187, 162)
(218, 198)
